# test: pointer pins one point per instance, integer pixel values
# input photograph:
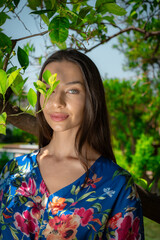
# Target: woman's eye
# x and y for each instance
(73, 91)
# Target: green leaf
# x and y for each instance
(112, 233)
(22, 58)
(53, 2)
(17, 85)
(2, 2)
(17, 183)
(5, 43)
(83, 12)
(12, 166)
(52, 88)
(49, 92)
(114, 9)
(3, 17)
(41, 11)
(104, 219)
(39, 89)
(71, 200)
(107, 210)
(46, 75)
(3, 227)
(32, 97)
(12, 69)
(58, 28)
(130, 182)
(109, 19)
(3, 82)
(16, 2)
(34, 4)
(116, 173)
(3, 118)
(52, 79)
(61, 45)
(71, 13)
(134, 14)
(101, 198)
(77, 190)
(85, 195)
(98, 206)
(91, 199)
(12, 77)
(6, 170)
(99, 3)
(90, 237)
(40, 85)
(143, 183)
(14, 231)
(45, 19)
(151, 185)
(73, 189)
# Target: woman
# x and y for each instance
(71, 188)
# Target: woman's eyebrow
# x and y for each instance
(74, 82)
(69, 83)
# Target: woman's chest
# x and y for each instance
(58, 175)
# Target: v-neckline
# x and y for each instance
(79, 179)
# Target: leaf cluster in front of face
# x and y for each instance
(51, 80)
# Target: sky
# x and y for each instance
(108, 60)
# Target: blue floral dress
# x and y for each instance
(108, 207)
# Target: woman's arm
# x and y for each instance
(126, 219)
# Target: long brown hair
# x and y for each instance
(94, 129)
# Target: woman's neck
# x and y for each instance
(62, 145)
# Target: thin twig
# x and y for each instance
(8, 55)
(22, 22)
(30, 36)
(22, 9)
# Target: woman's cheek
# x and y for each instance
(41, 101)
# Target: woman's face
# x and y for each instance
(65, 108)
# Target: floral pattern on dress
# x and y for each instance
(25, 223)
(108, 206)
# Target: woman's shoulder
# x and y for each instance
(111, 171)
(22, 159)
(18, 164)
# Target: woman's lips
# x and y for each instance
(57, 117)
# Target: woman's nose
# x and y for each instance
(57, 99)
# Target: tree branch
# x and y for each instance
(150, 204)
(146, 35)
(24, 121)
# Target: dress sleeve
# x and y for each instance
(126, 219)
